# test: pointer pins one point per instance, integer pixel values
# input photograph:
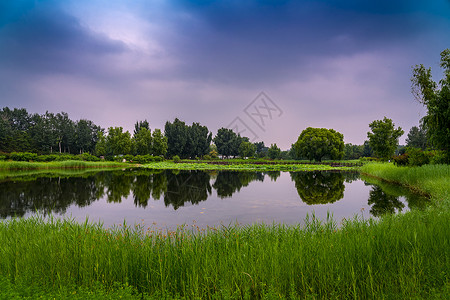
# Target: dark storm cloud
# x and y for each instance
(45, 39)
(244, 42)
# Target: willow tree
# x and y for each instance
(436, 98)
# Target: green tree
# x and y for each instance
(316, 143)
(198, 142)
(261, 149)
(118, 142)
(227, 142)
(437, 102)
(384, 137)
(247, 149)
(142, 141)
(159, 143)
(274, 152)
(101, 148)
(177, 135)
(417, 138)
(139, 125)
(86, 133)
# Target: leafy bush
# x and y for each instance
(158, 158)
(416, 157)
(144, 159)
(23, 156)
(401, 160)
(2, 157)
(176, 159)
(438, 157)
(88, 157)
(47, 158)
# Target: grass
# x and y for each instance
(403, 256)
(433, 180)
(244, 167)
(68, 164)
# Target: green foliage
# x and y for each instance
(437, 102)
(274, 152)
(401, 160)
(22, 156)
(417, 138)
(187, 141)
(247, 149)
(227, 142)
(176, 159)
(143, 141)
(384, 137)
(417, 157)
(118, 142)
(159, 143)
(317, 143)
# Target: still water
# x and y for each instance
(168, 198)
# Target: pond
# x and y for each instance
(168, 198)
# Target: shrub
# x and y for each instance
(144, 159)
(158, 158)
(23, 156)
(438, 157)
(176, 159)
(2, 157)
(401, 160)
(416, 157)
(88, 157)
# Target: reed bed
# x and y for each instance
(398, 257)
(430, 179)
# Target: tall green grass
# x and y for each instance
(398, 257)
(430, 179)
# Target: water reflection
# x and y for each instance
(228, 183)
(319, 187)
(383, 203)
(55, 193)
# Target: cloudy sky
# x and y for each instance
(333, 64)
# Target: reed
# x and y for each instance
(397, 257)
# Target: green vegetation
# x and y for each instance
(69, 164)
(437, 102)
(317, 143)
(245, 166)
(403, 256)
(384, 137)
(433, 180)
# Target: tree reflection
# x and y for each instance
(273, 175)
(229, 182)
(186, 186)
(319, 187)
(383, 203)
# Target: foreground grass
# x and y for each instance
(399, 257)
(68, 164)
(244, 167)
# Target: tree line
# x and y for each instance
(50, 133)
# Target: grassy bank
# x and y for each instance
(245, 167)
(398, 257)
(433, 180)
(68, 164)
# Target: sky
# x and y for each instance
(267, 69)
